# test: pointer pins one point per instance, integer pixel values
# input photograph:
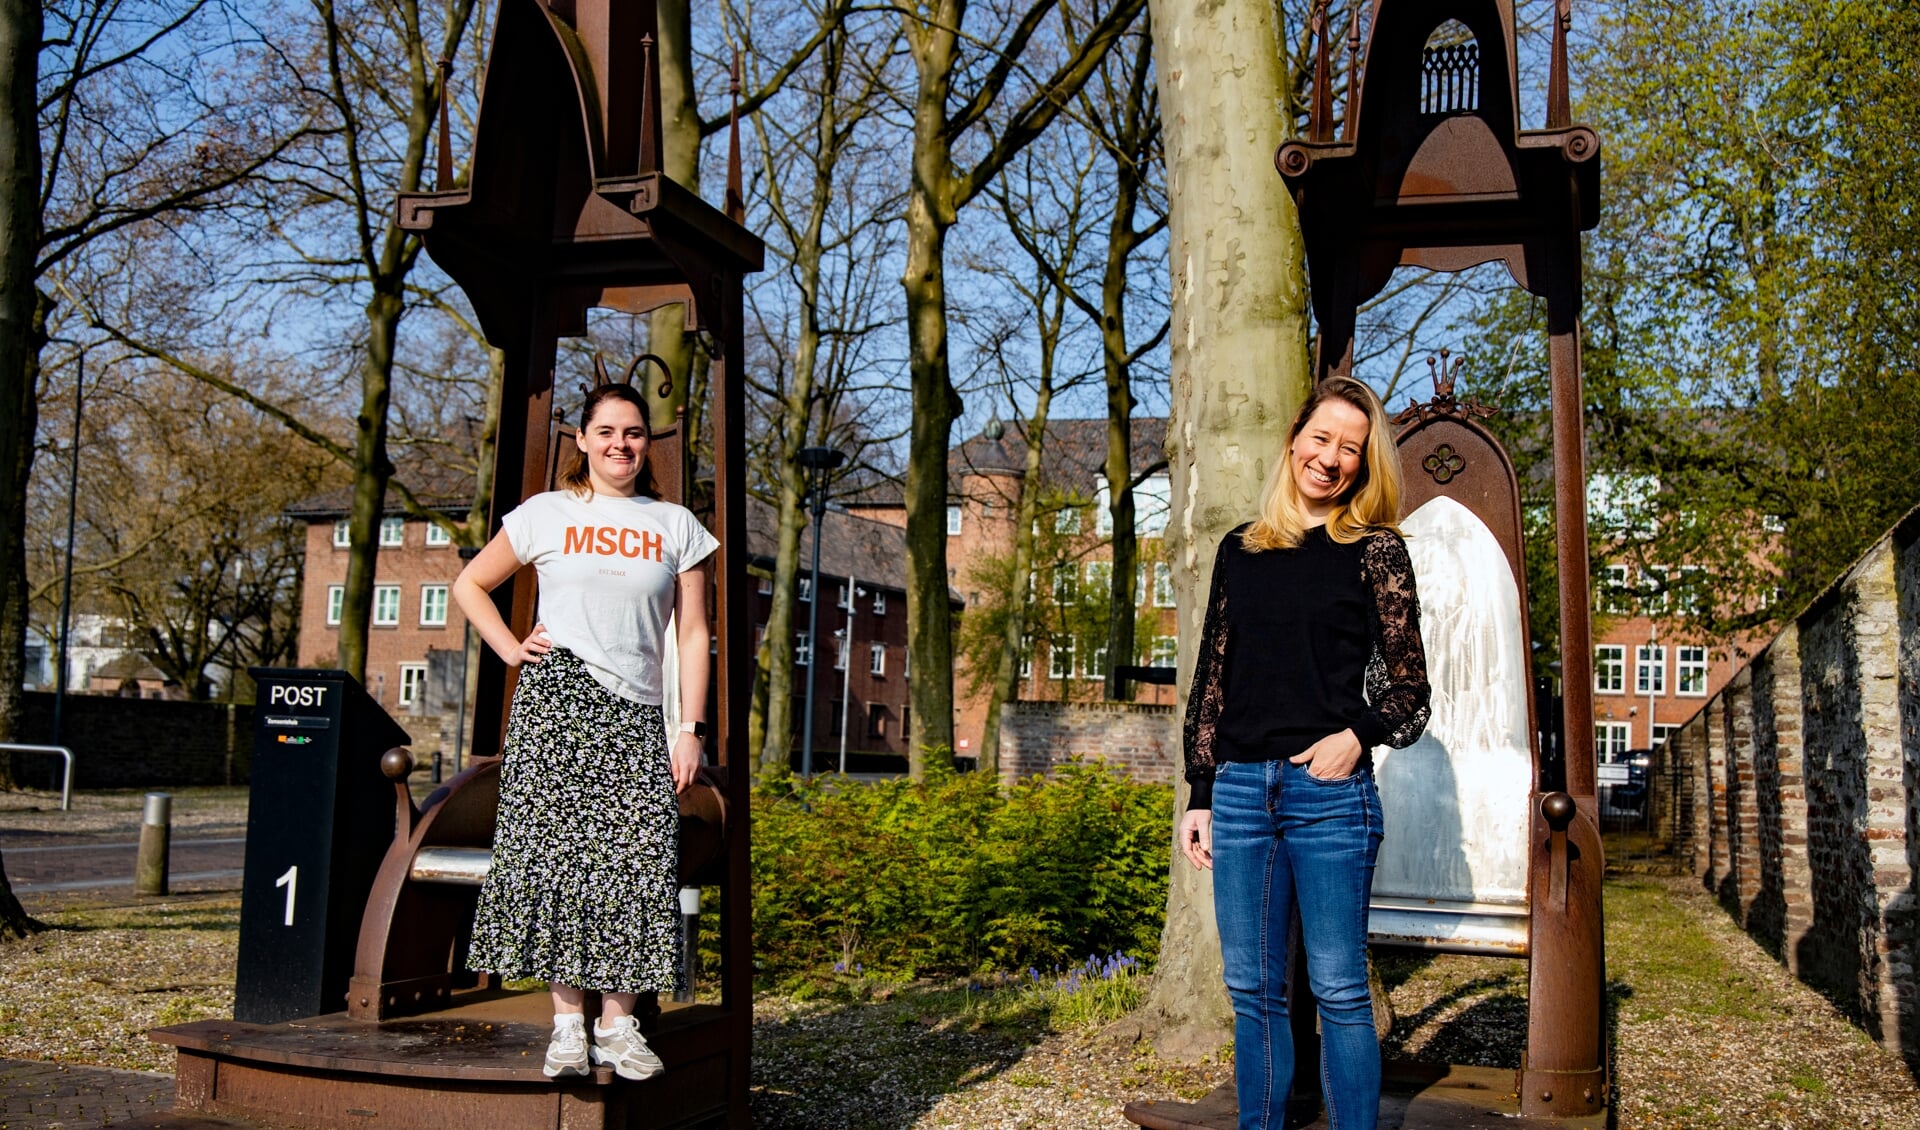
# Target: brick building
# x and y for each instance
(1067, 656)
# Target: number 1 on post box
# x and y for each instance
(291, 881)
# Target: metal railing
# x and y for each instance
(66, 780)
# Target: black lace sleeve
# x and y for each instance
(1396, 683)
(1208, 690)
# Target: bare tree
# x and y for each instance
(815, 187)
(963, 136)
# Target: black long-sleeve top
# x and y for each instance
(1301, 643)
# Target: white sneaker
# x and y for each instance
(622, 1047)
(567, 1052)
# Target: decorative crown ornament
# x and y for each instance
(1443, 403)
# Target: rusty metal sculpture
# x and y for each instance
(1433, 170)
(565, 210)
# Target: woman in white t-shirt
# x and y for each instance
(583, 889)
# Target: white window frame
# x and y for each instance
(841, 646)
(803, 586)
(336, 603)
(765, 587)
(1152, 506)
(413, 683)
(1100, 576)
(877, 659)
(802, 650)
(955, 516)
(438, 536)
(1066, 584)
(1610, 659)
(1026, 658)
(1102, 507)
(386, 597)
(342, 533)
(1691, 662)
(879, 604)
(1650, 669)
(1163, 584)
(1661, 732)
(1066, 520)
(1060, 659)
(1164, 652)
(1095, 662)
(427, 592)
(1611, 737)
(393, 531)
(1616, 598)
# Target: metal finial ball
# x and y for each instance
(396, 764)
(1558, 808)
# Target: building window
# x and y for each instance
(1690, 671)
(1060, 659)
(433, 605)
(845, 601)
(1097, 664)
(1066, 584)
(876, 720)
(1165, 653)
(1650, 670)
(413, 683)
(438, 536)
(1693, 590)
(1102, 507)
(841, 645)
(1610, 668)
(386, 605)
(766, 585)
(1656, 581)
(1100, 579)
(1152, 506)
(1026, 657)
(1610, 741)
(1616, 599)
(393, 531)
(336, 598)
(342, 533)
(805, 587)
(1162, 584)
(1661, 732)
(953, 521)
(877, 659)
(1067, 520)
(802, 650)
(879, 604)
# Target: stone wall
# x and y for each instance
(1796, 793)
(1140, 738)
(131, 743)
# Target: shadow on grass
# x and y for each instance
(873, 1057)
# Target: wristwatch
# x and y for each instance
(697, 729)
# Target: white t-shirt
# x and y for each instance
(607, 568)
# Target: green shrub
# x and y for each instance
(957, 874)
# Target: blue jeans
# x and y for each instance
(1285, 840)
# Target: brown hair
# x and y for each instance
(1372, 503)
(578, 479)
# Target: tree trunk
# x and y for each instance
(1239, 372)
(371, 470)
(930, 214)
(22, 326)
(1006, 683)
(15, 922)
(680, 160)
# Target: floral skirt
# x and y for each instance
(584, 886)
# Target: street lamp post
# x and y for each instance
(818, 463)
(66, 580)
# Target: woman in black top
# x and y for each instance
(1310, 657)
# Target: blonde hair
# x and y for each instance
(1370, 505)
(578, 478)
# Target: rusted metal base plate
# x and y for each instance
(475, 1064)
(1415, 1097)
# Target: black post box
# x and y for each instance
(319, 820)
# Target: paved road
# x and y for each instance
(81, 863)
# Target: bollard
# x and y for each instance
(150, 870)
(689, 943)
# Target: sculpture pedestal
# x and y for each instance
(1414, 1095)
(474, 1064)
